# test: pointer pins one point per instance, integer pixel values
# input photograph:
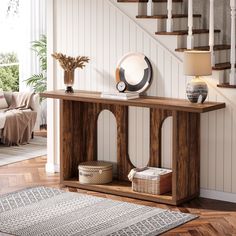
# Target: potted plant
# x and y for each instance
(38, 82)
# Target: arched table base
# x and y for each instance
(78, 141)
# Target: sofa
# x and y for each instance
(34, 105)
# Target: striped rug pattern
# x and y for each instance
(37, 147)
(48, 211)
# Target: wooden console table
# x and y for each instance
(78, 141)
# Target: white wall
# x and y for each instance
(97, 29)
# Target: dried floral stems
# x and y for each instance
(70, 63)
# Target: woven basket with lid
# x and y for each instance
(95, 172)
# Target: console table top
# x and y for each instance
(143, 101)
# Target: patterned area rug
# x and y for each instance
(48, 211)
(37, 147)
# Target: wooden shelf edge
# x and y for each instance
(143, 101)
(122, 189)
(226, 86)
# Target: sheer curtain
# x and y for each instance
(32, 25)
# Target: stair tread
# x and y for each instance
(164, 16)
(185, 32)
(222, 66)
(205, 48)
(147, 0)
(226, 85)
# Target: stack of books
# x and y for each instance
(120, 96)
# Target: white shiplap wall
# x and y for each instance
(97, 29)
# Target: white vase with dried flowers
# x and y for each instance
(69, 64)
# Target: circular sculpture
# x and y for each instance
(135, 70)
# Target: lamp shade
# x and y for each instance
(197, 63)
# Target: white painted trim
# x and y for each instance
(52, 105)
(217, 195)
(211, 32)
(232, 53)
(51, 168)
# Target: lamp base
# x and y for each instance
(197, 90)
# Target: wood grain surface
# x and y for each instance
(78, 141)
(144, 101)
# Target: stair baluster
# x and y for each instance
(150, 8)
(190, 39)
(211, 32)
(232, 57)
(169, 23)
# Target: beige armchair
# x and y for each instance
(35, 106)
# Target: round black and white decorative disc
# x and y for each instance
(135, 70)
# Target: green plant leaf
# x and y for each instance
(39, 82)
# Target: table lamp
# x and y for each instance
(197, 64)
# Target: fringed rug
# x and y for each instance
(48, 211)
(35, 148)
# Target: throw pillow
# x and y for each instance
(3, 102)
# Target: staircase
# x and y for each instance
(180, 31)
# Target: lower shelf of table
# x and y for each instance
(121, 188)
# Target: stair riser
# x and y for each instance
(220, 76)
(180, 24)
(134, 9)
(180, 41)
(223, 76)
(199, 40)
(220, 56)
(149, 24)
(171, 42)
(154, 25)
(161, 8)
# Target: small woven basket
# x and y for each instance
(95, 172)
(152, 180)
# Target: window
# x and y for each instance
(9, 45)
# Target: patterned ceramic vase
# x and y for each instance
(197, 90)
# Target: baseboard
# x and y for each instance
(51, 168)
(217, 195)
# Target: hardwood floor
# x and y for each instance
(215, 217)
